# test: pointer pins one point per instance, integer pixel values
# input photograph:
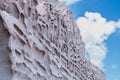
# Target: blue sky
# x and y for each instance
(99, 23)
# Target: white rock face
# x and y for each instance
(44, 42)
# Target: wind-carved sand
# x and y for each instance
(39, 40)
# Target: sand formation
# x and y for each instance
(39, 40)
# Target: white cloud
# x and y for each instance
(95, 30)
(69, 2)
(118, 24)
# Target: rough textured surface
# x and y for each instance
(44, 42)
(5, 65)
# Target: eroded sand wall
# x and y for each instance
(5, 63)
(45, 42)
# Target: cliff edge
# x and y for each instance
(41, 41)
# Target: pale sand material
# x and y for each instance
(44, 42)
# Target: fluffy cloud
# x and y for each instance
(69, 2)
(118, 24)
(95, 30)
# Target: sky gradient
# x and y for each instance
(99, 23)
